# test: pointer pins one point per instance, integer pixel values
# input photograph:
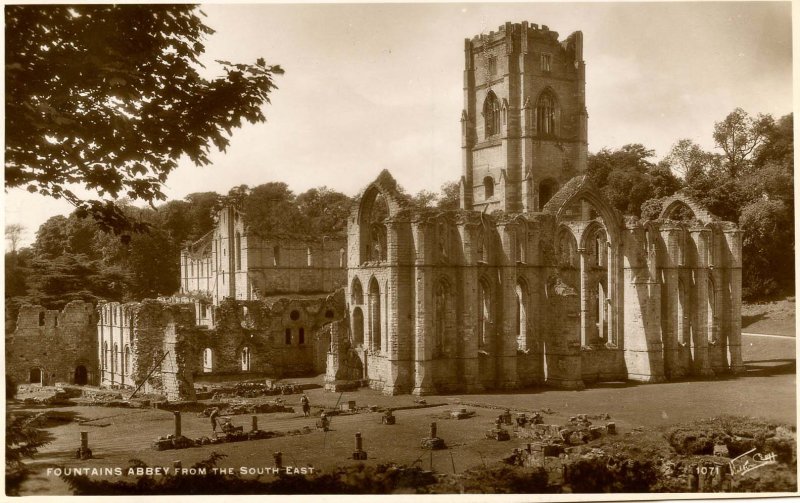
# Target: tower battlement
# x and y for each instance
(524, 123)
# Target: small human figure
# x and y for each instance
(323, 418)
(306, 405)
(214, 414)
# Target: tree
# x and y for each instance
(109, 97)
(687, 159)
(767, 248)
(326, 210)
(270, 210)
(628, 178)
(424, 199)
(739, 135)
(14, 235)
(450, 197)
(23, 440)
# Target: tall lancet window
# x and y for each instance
(546, 115)
(491, 115)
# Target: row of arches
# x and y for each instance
(111, 360)
(376, 329)
(685, 322)
(372, 333)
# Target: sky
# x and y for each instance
(379, 86)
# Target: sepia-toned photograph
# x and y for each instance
(541, 249)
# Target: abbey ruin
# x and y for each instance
(535, 280)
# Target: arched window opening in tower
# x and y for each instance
(546, 115)
(491, 115)
(488, 187)
(547, 188)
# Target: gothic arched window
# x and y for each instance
(546, 115)
(491, 115)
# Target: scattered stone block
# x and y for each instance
(721, 450)
(388, 417)
(462, 413)
(498, 434)
(611, 428)
(595, 432)
(552, 450)
(433, 444)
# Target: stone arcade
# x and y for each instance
(537, 279)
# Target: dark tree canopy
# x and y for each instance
(108, 98)
(629, 179)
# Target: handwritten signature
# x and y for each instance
(741, 466)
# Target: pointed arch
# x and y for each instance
(680, 206)
(567, 251)
(547, 113)
(491, 115)
(356, 292)
(378, 205)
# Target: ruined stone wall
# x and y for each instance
(115, 344)
(287, 337)
(465, 301)
(232, 263)
(157, 344)
(51, 346)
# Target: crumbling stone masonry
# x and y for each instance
(159, 344)
(554, 286)
(232, 263)
(49, 347)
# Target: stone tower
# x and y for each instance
(523, 127)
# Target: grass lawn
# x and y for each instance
(772, 317)
(766, 390)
